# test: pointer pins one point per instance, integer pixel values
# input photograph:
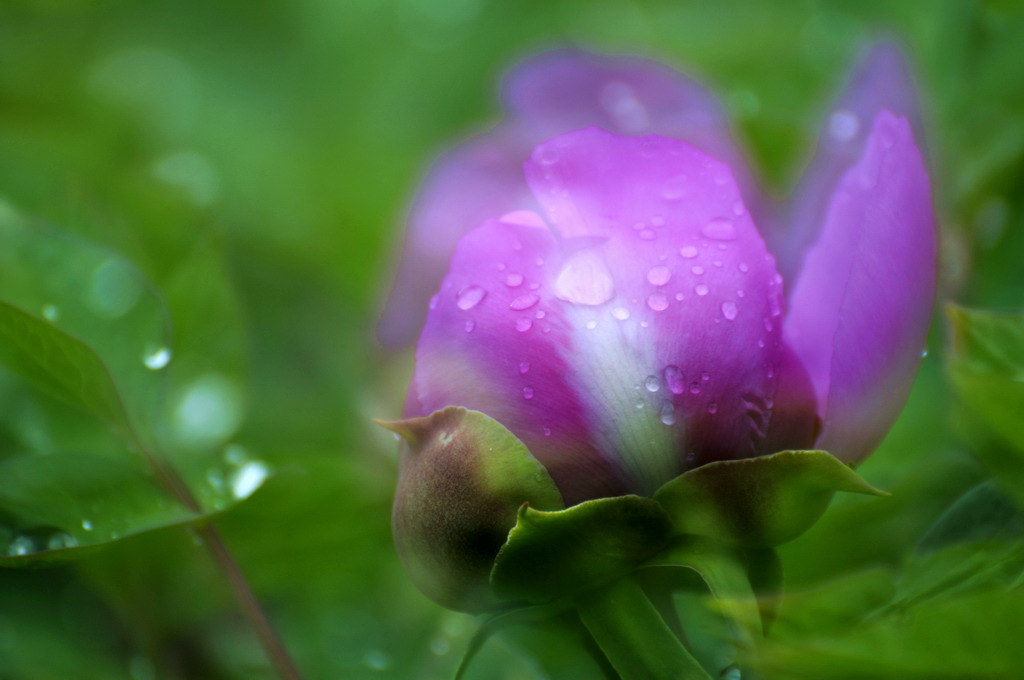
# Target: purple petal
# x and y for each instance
(880, 82)
(565, 90)
(474, 181)
(545, 96)
(495, 341)
(859, 313)
(671, 302)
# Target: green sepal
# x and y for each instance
(758, 502)
(722, 568)
(549, 555)
(764, 571)
(464, 476)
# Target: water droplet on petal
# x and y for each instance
(524, 218)
(547, 154)
(523, 325)
(157, 358)
(87, 525)
(701, 289)
(648, 235)
(657, 302)
(657, 221)
(694, 388)
(591, 325)
(712, 408)
(620, 313)
(697, 269)
(924, 352)
(513, 280)
(524, 367)
(744, 267)
(585, 279)
(843, 125)
(528, 393)
(547, 431)
(668, 414)
(737, 209)
(729, 310)
(659, 276)
(674, 379)
(652, 383)
(705, 377)
(689, 252)
(720, 229)
(470, 325)
(469, 297)
(674, 188)
(523, 302)
(433, 301)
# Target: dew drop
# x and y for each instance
(157, 358)
(657, 302)
(701, 289)
(668, 414)
(51, 313)
(720, 229)
(432, 304)
(712, 408)
(843, 125)
(705, 377)
(376, 660)
(659, 276)
(513, 280)
(20, 546)
(528, 393)
(657, 221)
(540, 314)
(648, 235)
(744, 267)
(547, 431)
(679, 296)
(523, 302)
(924, 352)
(694, 388)
(249, 477)
(729, 310)
(591, 325)
(652, 383)
(547, 154)
(689, 252)
(523, 325)
(87, 525)
(469, 297)
(524, 218)
(584, 279)
(674, 379)
(470, 325)
(61, 540)
(737, 209)
(620, 313)
(697, 269)
(674, 188)
(524, 367)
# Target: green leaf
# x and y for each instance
(83, 324)
(723, 569)
(986, 365)
(549, 555)
(764, 570)
(961, 637)
(60, 506)
(758, 502)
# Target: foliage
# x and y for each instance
(225, 180)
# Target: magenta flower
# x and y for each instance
(626, 305)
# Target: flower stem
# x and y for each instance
(634, 636)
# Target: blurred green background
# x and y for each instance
(242, 170)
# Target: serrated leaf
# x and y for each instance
(758, 502)
(549, 555)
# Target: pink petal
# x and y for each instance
(881, 81)
(494, 341)
(678, 366)
(546, 95)
(860, 311)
